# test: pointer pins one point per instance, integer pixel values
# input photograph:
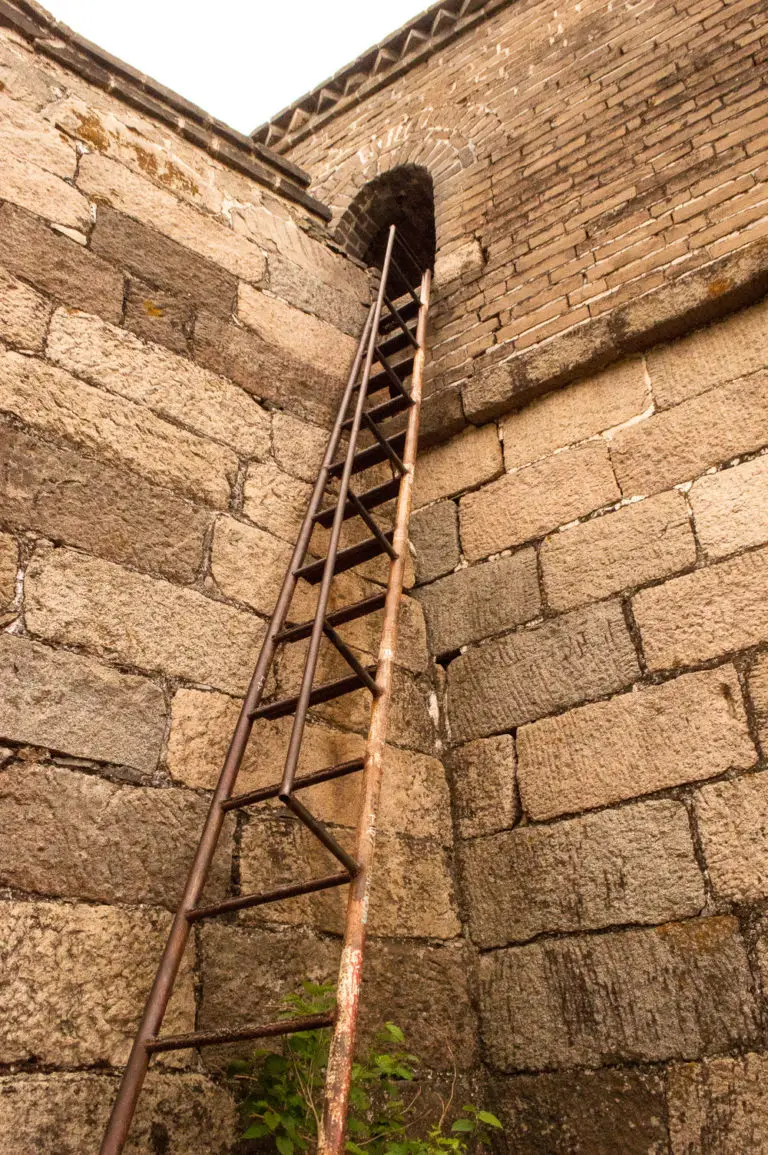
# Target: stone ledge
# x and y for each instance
(53, 39)
(706, 294)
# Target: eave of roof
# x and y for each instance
(380, 65)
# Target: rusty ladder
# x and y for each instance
(383, 338)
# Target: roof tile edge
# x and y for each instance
(378, 66)
(259, 162)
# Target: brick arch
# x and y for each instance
(403, 196)
(413, 143)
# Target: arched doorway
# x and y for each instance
(403, 197)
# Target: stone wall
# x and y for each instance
(173, 336)
(581, 156)
(592, 569)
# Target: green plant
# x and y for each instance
(282, 1094)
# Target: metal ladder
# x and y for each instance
(383, 338)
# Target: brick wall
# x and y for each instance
(173, 337)
(581, 157)
(592, 569)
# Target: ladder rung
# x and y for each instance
(337, 618)
(385, 409)
(400, 339)
(382, 380)
(238, 1034)
(345, 559)
(364, 458)
(397, 314)
(266, 792)
(324, 693)
(370, 499)
(281, 892)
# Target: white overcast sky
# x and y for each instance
(241, 60)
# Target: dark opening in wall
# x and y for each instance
(402, 197)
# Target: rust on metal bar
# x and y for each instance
(245, 901)
(339, 1073)
(306, 780)
(346, 558)
(237, 1034)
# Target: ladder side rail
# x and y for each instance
(313, 651)
(339, 1071)
(135, 1070)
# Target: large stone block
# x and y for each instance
(9, 564)
(246, 970)
(733, 823)
(485, 599)
(274, 500)
(730, 508)
(76, 600)
(74, 705)
(434, 539)
(79, 836)
(105, 180)
(414, 795)
(172, 387)
(691, 728)
(424, 989)
(165, 263)
(57, 265)
(332, 303)
(411, 890)
(537, 499)
(177, 1114)
(105, 511)
(202, 724)
(467, 460)
(117, 430)
(413, 711)
(84, 1009)
(711, 356)
(298, 334)
(674, 991)
(363, 635)
(31, 187)
(158, 316)
(26, 136)
(266, 371)
(24, 314)
(23, 77)
(484, 781)
(680, 443)
(249, 565)
(720, 1105)
(632, 865)
(584, 1112)
(706, 613)
(573, 414)
(636, 544)
(533, 672)
(299, 446)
